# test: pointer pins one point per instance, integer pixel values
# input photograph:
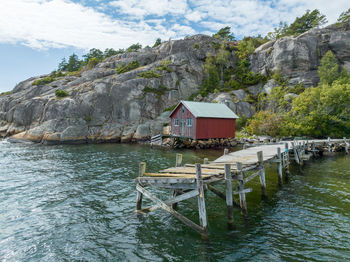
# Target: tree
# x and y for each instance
(74, 63)
(224, 34)
(328, 71)
(306, 22)
(134, 47)
(344, 16)
(211, 79)
(94, 52)
(321, 111)
(62, 66)
(158, 42)
(300, 25)
(111, 52)
(221, 60)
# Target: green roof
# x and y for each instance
(210, 110)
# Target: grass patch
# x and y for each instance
(159, 91)
(61, 93)
(128, 67)
(170, 108)
(44, 81)
(149, 74)
(5, 93)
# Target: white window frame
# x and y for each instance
(176, 122)
(189, 121)
(183, 109)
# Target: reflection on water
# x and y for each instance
(77, 203)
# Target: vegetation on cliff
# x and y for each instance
(319, 111)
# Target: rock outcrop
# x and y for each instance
(104, 106)
(298, 58)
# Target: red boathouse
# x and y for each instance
(199, 120)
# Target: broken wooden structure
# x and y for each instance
(234, 170)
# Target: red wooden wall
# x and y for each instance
(202, 128)
(215, 128)
(188, 130)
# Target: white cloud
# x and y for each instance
(59, 23)
(150, 7)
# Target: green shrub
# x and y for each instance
(5, 93)
(92, 62)
(88, 118)
(44, 81)
(241, 122)
(157, 91)
(61, 93)
(149, 74)
(196, 46)
(170, 108)
(128, 67)
(164, 66)
(265, 123)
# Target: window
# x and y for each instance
(183, 109)
(176, 122)
(189, 121)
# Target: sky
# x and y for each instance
(36, 34)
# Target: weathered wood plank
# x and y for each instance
(164, 206)
(142, 170)
(229, 198)
(201, 200)
(173, 200)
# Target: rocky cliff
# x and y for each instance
(105, 105)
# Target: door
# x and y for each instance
(183, 123)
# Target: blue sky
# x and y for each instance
(36, 34)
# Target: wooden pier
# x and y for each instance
(234, 170)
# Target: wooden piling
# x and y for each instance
(229, 200)
(205, 161)
(279, 166)
(262, 173)
(346, 146)
(178, 160)
(329, 144)
(225, 151)
(201, 200)
(296, 155)
(242, 199)
(142, 170)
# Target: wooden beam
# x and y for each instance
(242, 199)
(262, 173)
(229, 199)
(142, 170)
(178, 160)
(164, 206)
(173, 200)
(279, 166)
(201, 199)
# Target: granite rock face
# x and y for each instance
(298, 58)
(104, 106)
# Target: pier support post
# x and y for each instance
(262, 173)
(177, 164)
(279, 166)
(229, 200)
(225, 151)
(346, 146)
(142, 170)
(296, 155)
(205, 161)
(329, 144)
(178, 160)
(201, 201)
(242, 199)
